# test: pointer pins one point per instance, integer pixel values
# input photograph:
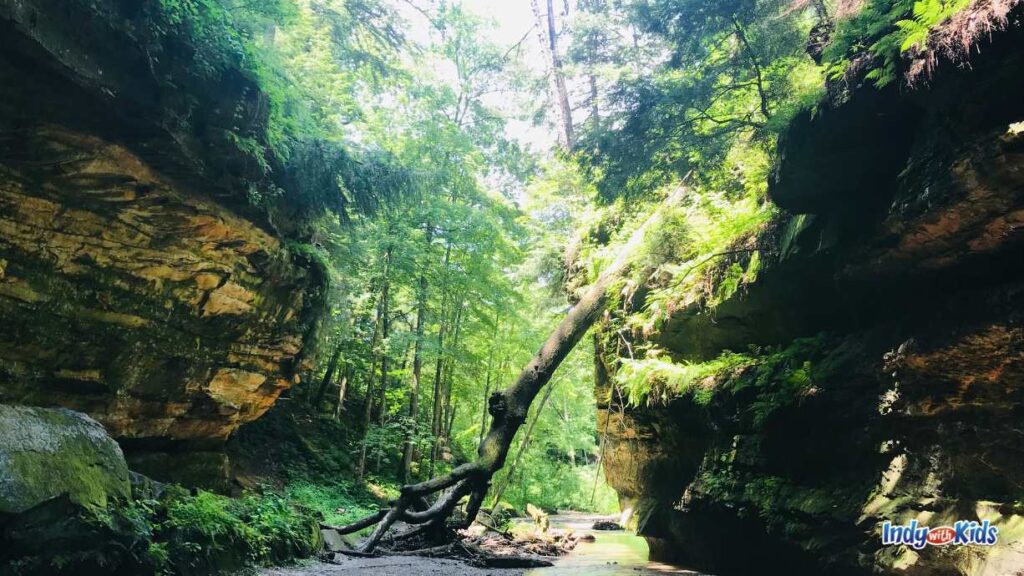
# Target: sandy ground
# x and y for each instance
(391, 566)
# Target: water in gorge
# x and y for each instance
(612, 553)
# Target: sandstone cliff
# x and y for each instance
(138, 283)
(885, 343)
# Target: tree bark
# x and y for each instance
(487, 385)
(523, 446)
(342, 385)
(385, 330)
(595, 113)
(448, 413)
(417, 370)
(368, 405)
(332, 365)
(435, 407)
(741, 35)
(549, 43)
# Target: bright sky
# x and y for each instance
(512, 20)
(513, 17)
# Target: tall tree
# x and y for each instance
(547, 32)
(374, 356)
(417, 368)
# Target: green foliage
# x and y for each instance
(699, 253)
(774, 377)
(208, 533)
(884, 30)
(177, 533)
(724, 72)
(311, 457)
(339, 502)
(655, 380)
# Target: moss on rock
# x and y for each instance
(46, 453)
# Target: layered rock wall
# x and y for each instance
(138, 283)
(887, 371)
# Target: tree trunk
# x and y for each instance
(508, 409)
(341, 392)
(448, 413)
(332, 365)
(368, 405)
(385, 330)
(595, 112)
(487, 385)
(523, 446)
(435, 406)
(741, 35)
(549, 43)
(417, 369)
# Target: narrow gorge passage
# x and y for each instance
(312, 287)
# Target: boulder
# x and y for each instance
(336, 542)
(49, 452)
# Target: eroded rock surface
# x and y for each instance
(887, 374)
(137, 282)
(159, 313)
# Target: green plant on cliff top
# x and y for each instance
(885, 30)
(720, 229)
(779, 377)
(656, 380)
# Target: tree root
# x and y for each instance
(477, 556)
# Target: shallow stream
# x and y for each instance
(612, 553)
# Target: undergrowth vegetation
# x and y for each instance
(170, 530)
(773, 377)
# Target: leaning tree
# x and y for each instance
(508, 409)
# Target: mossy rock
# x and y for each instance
(49, 452)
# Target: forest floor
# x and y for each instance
(612, 553)
(392, 566)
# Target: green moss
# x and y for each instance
(782, 505)
(45, 453)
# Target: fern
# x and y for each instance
(926, 15)
(655, 380)
(886, 30)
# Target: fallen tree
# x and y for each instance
(508, 409)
